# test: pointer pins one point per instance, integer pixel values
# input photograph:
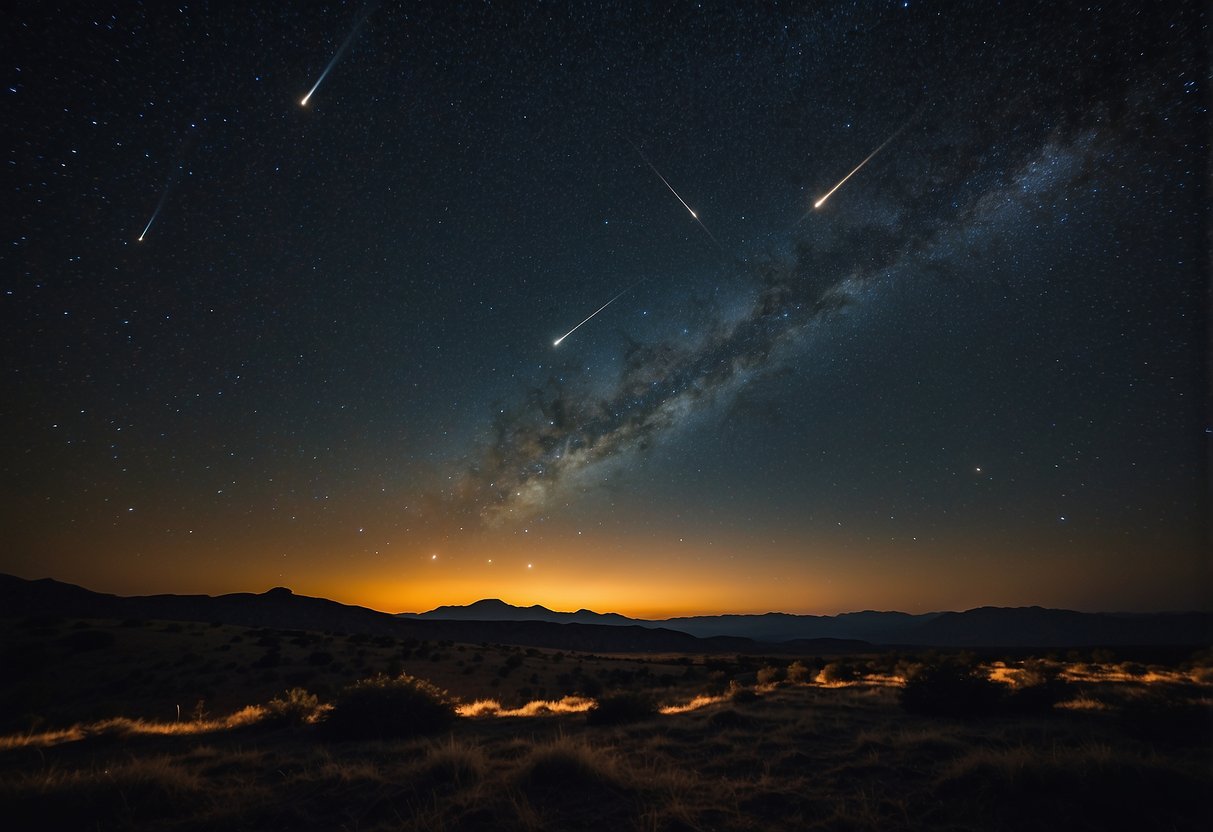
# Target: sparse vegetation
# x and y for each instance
(389, 706)
(950, 688)
(295, 707)
(1073, 744)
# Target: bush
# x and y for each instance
(950, 689)
(389, 706)
(839, 672)
(798, 673)
(619, 708)
(295, 707)
(769, 675)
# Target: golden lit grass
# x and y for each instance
(801, 756)
(695, 704)
(1083, 703)
(1107, 673)
(154, 667)
(538, 707)
(123, 727)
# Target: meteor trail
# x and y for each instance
(556, 343)
(340, 51)
(172, 180)
(152, 220)
(821, 201)
(666, 182)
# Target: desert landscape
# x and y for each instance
(452, 415)
(180, 724)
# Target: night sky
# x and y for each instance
(975, 375)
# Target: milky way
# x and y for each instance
(560, 434)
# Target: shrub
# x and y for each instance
(798, 673)
(619, 708)
(950, 689)
(389, 706)
(295, 707)
(838, 672)
(769, 675)
(320, 658)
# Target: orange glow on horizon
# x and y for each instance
(654, 573)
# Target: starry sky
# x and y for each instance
(249, 342)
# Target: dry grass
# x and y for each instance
(118, 727)
(540, 707)
(842, 755)
(701, 701)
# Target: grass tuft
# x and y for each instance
(389, 707)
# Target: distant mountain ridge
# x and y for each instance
(494, 609)
(979, 627)
(495, 621)
(279, 608)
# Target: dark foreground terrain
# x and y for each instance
(548, 740)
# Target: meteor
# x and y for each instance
(340, 51)
(159, 206)
(666, 182)
(149, 223)
(822, 201)
(556, 343)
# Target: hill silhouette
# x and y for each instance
(980, 627)
(493, 620)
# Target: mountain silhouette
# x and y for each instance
(493, 620)
(980, 627)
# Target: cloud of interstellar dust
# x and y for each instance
(925, 214)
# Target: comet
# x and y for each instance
(883, 144)
(336, 57)
(666, 182)
(556, 343)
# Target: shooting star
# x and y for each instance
(556, 343)
(883, 144)
(152, 220)
(340, 51)
(666, 182)
(172, 180)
